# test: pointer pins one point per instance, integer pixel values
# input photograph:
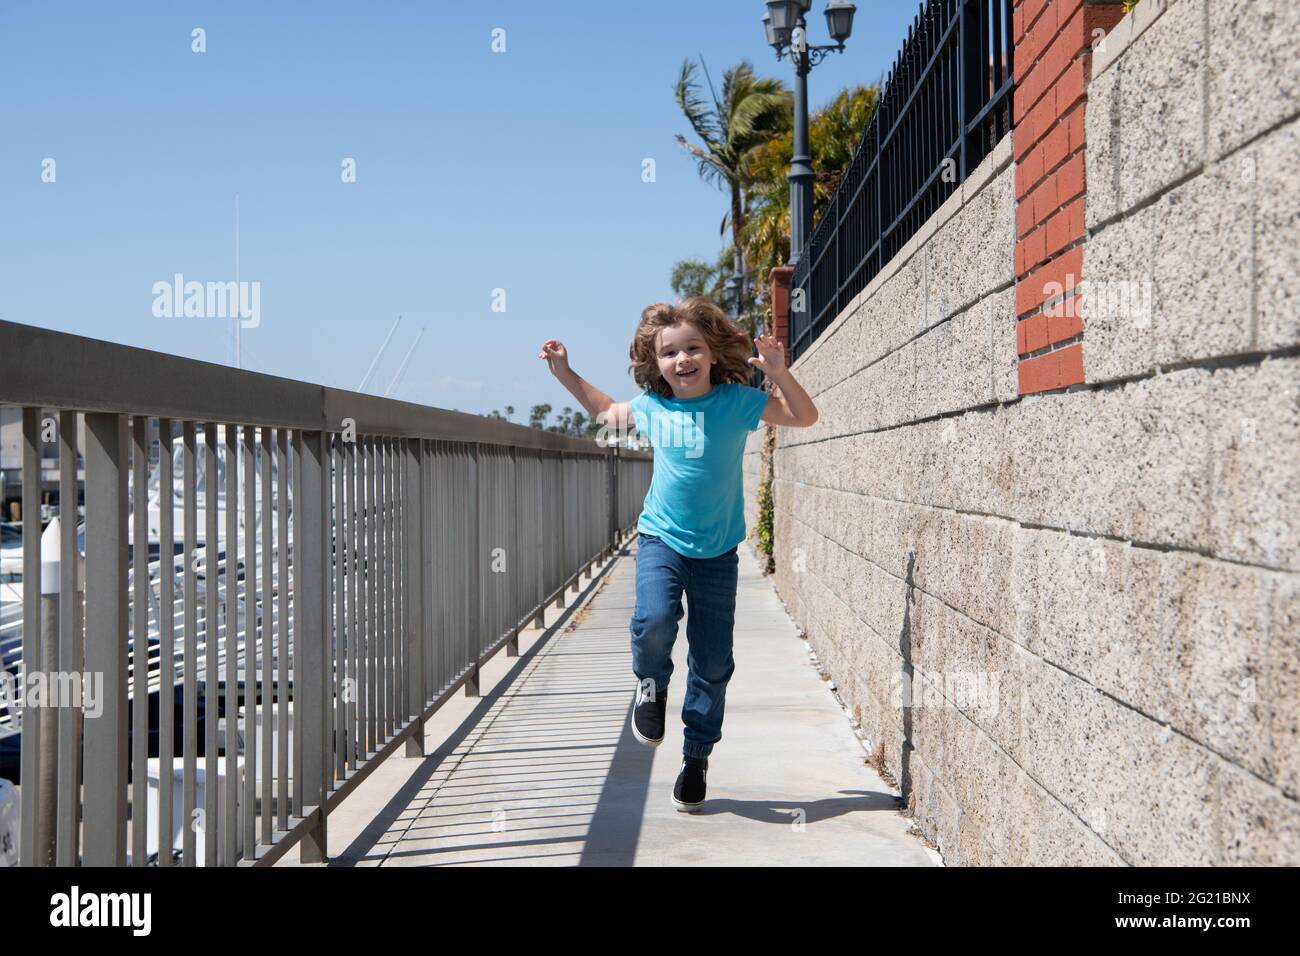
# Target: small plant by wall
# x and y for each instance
(763, 532)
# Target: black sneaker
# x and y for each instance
(648, 715)
(688, 794)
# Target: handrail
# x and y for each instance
(60, 370)
(402, 546)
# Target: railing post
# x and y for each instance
(968, 92)
(433, 667)
(515, 565)
(564, 549)
(835, 252)
(337, 453)
(211, 573)
(140, 635)
(413, 604)
(879, 231)
(36, 835)
(104, 809)
(71, 647)
(230, 648)
(475, 567)
(540, 503)
(311, 638)
(611, 490)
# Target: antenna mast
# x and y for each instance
(370, 370)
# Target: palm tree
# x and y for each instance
(751, 112)
(697, 277)
(564, 423)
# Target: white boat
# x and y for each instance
(11, 578)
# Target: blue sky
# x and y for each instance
(475, 171)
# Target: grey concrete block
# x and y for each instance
(1132, 462)
(1255, 484)
(1281, 687)
(982, 773)
(1271, 163)
(1119, 338)
(1180, 638)
(1116, 43)
(1258, 824)
(1002, 344)
(1099, 758)
(891, 397)
(1254, 78)
(1217, 637)
(1102, 126)
(953, 364)
(1162, 104)
(984, 555)
(982, 674)
(838, 355)
(888, 319)
(979, 476)
(1050, 621)
(974, 850)
(973, 253)
(1201, 266)
(937, 812)
(1160, 462)
(1040, 831)
(895, 611)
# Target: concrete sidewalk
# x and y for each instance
(544, 770)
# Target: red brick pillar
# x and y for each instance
(1053, 59)
(780, 298)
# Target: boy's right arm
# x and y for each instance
(619, 417)
(601, 407)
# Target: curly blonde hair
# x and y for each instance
(728, 342)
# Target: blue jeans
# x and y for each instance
(710, 586)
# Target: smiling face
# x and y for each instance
(685, 360)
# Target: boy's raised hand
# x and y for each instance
(771, 354)
(556, 355)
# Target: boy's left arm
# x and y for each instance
(790, 404)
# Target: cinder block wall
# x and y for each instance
(1091, 586)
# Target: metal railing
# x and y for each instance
(756, 375)
(370, 556)
(944, 106)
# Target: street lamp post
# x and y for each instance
(733, 286)
(785, 26)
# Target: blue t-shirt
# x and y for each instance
(696, 499)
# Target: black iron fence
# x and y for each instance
(755, 374)
(945, 104)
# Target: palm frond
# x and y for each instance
(711, 168)
(703, 120)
